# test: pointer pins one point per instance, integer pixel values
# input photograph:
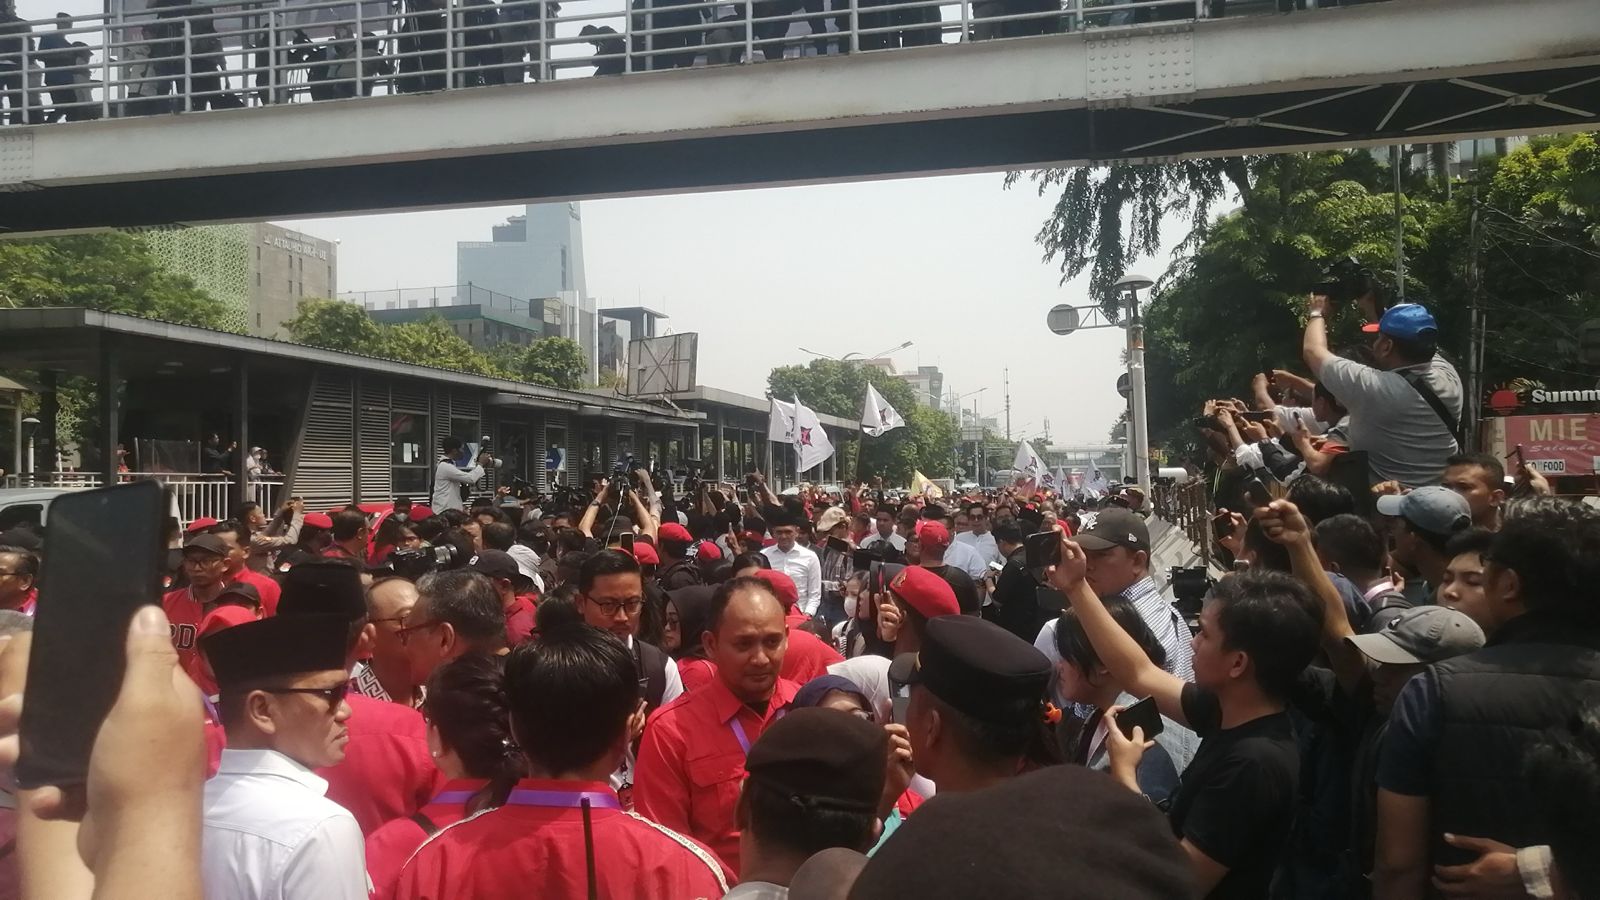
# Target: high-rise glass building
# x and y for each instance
(538, 256)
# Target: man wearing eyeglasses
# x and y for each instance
(456, 612)
(19, 570)
(269, 831)
(611, 598)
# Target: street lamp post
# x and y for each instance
(1128, 287)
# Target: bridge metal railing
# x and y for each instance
(184, 57)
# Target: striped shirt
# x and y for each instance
(1166, 623)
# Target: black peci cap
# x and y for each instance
(277, 647)
(323, 587)
(825, 758)
(979, 668)
(1121, 846)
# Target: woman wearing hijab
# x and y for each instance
(688, 617)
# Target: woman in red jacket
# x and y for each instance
(469, 734)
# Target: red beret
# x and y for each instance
(225, 616)
(646, 554)
(672, 531)
(318, 520)
(931, 533)
(200, 524)
(784, 587)
(925, 592)
(708, 552)
(418, 513)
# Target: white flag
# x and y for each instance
(1027, 463)
(811, 442)
(1094, 481)
(1062, 484)
(877, 416)
(780, 422)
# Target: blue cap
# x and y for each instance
(1406, 321)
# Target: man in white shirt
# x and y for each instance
(449, 476)
(269, 833)
(885, 533)
(797, 562)
(979, 537)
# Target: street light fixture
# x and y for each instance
(1127, 289)
(30, 426)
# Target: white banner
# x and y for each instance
(811, 441)
(780, 422)
(877, 416)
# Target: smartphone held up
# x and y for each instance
(104, 561)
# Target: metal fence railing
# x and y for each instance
(196, 495)
(174, 56)
(1188, 506)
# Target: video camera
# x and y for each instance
(415, 563)
(1344, 280)
(1189, 589)
(621, 480)
(522, 488)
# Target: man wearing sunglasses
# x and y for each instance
(269, 831)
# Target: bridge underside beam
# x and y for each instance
(1213, 88)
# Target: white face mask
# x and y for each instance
(850, 606)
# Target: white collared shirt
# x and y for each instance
(270, 834)
(801, 564)
(965, 556)
(984, 543)
(893, 539)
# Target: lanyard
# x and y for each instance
(565, 799)
(739, 735)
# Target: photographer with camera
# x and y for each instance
(1405, 410)
(609, 500)
(453, 473)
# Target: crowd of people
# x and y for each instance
(226, 56)
(690, 690)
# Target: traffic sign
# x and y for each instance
(1123, 387)
(1062, 319)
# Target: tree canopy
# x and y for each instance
(108, 271)
(554, 362)
(927, 443)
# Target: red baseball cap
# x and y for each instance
(226, 616)
(931, 533)
(419, 512)
(784, 586)
(925, 592)
(672, 531)
(646, 554)
(708, 552)
(318, 520)
(200, 524)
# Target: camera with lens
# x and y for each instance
(486, 454)
(417, 562)
(621, 480)
(1344, 280)
(522, 488)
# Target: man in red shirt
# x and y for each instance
(237, 562)
(562, 834)
(808, 655)
(509, 583)
(691, 761)
(387, 772)
(205, 564)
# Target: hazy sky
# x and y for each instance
(949, 263)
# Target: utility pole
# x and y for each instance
(1475, 336)
(1399, 226)
(1005, 376)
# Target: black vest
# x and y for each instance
(1535, 675)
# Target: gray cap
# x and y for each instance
(1434, 509)
(1425, 634)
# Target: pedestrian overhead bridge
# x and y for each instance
(428, 108)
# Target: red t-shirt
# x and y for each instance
(691, 763)
(520, 621)
(390, 846)
(387, 772)
(266, 587)
(184, 613)
(696, 673)
(534, 847)
(807, 657)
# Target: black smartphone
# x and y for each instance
(838, 545)
(1043, 549)
(1222, 526)
(1257, 415)
(626, 539)
(104, 561)
(1144, 715)
(1256, 491)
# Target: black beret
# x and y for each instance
(824, 758)
(979, 668)
(323, 587)
(277, 647)
(1063, 832)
